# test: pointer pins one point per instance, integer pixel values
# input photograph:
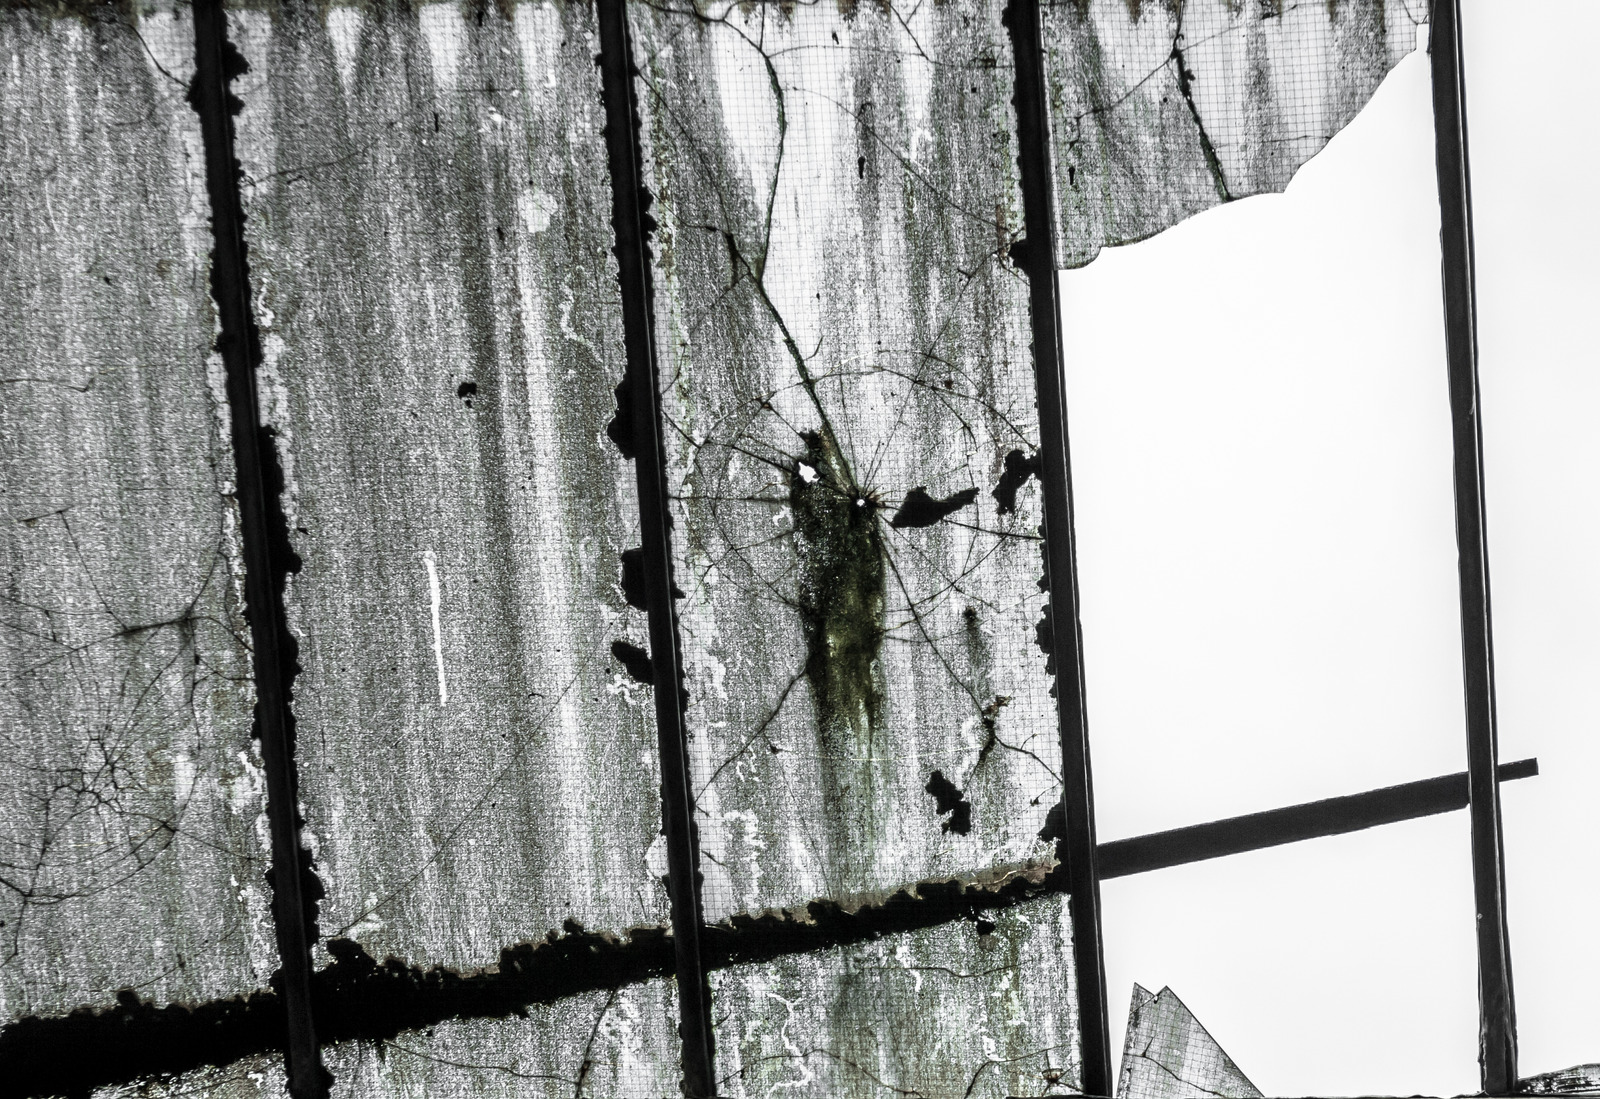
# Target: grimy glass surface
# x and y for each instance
(132, 835)
(1161, 110)
(983, 1008)
(429, 224)
(850, 424)
(851, 438)
(619, 1044)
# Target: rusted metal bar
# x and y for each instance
(268, 556)
(639, 401)
(1329, 817)
(1497, 1026)
(1062, 633)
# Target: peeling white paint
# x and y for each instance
(442, 29)
(344, 29)
(438, 633)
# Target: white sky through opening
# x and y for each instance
(1261, 456)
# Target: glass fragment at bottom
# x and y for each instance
(613, 1044)
(259, 1077)
(1577, 1080)
(1169, 1054)
(980, 1009)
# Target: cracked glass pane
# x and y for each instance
(1161, 110)
(429, 221)
(1168, 1055)
(132, 834)
(851, 432)
(981, 1007)
(620, 1043)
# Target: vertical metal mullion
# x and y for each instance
(641, 403)
(264, 544)
(1036, 256)
(1497, 1030)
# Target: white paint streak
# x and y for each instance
(438, 635)
(344, 31)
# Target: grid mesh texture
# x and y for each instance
(1161, 110)
(845, 373)
(1168, 1055)
(428, 208)
(130, 789)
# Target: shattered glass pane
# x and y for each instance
(1161, 110)
(1168, 1055)
(851, 433)
(980, 1009)
(620, 1043)
(132, 834)
(429, 219)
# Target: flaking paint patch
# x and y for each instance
(1139, 149)
(619, 1042)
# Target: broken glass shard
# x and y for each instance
(1160, 111)
(1169, 1055)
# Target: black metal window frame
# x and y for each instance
(308, 1008)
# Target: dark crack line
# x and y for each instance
(1185, 87)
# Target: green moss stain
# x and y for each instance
(841, 593)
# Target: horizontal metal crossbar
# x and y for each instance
(1310, 820)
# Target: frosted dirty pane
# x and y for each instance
(259, 1077)
(132, 835)
(616, 1044)
(1159, 111)
(850, 412)
(429, 232)
(980, 1009)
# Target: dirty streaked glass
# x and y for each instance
(428, 210)
(1161, 110)
(620, 1042)
(981, 1008)
(850, 429)
(132, 835)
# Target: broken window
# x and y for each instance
(620, 491)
